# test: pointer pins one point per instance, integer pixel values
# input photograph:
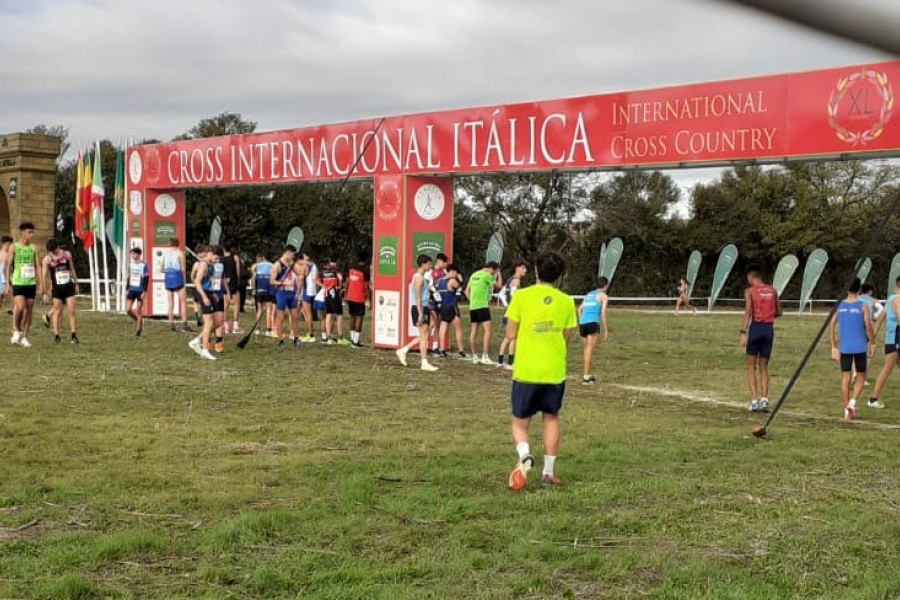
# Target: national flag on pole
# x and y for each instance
(79, 207)
(119, 200)
(97, 194)
(87, 236)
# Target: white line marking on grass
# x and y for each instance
(708, 399)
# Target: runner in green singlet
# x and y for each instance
(25, 276)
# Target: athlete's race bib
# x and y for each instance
(215, 283)
(288, 284)
(26, 271)
(332, 293)
(63, 278)
(134, 280)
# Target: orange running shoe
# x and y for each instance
(220, 348)
(550, 481)
(519, 474)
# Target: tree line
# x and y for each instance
(849, 208)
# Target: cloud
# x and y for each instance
(115, 69)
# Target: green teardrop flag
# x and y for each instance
(815, 266)
(785, 270)
(864, 270)
(727, 258)
(693, 268)
(611, 259)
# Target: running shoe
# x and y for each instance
(849, 414)
(298, 343)
(57, 339)
(226, 327)
(74, 339)
(343, 342)
(588, 380)
(220, 348)
(194, 345)
(46, 321)
(875, 404)
(281, 343)
(507, 367)
(236, 328)
(138, 333)
(486, 360)
(427, 366)
(25, 343)
(310, 339)
(401, 356)
(356, 345)
(332, 342)
(462, 355)
(16, 336)
(764, 405)
(206, 354)
(550, 481)
(519, 475)
(753, 406)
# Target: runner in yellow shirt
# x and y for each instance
(541, 320)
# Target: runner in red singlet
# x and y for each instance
(761, 308)
(357, 294)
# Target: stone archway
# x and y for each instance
(27, 180)
(5, 225)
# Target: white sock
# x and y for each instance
(764, 399)
(549, 463)
(485, 356)
(523, 450)
(852, 403)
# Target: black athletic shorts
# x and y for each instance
(448, 313)
(26, 291)
(891, 348)
(63, 292)
(356, 309)
(218, 302)
(849, 360)
(132, 296)
(760, 338)
(414, 311)
(589, 329)
(529, 399)
(480, 315)
(175, 289)
(334, 305)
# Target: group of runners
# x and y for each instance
(852, 332)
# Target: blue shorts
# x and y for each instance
(308, 299)
(760, 338)
(174, 281)
(285, 300)
(319, 305)
(531, 398)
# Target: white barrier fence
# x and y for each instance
(499, 298)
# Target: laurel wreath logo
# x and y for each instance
(885, 92)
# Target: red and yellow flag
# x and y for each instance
(88, 237)
(79, 207)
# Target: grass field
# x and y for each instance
(131, 469)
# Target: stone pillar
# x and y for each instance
(27, 181)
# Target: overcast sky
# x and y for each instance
(121, 68)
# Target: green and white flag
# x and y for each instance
(864, 270)
(895, 273)
(494, 252)
(295, 238)
(785, 270)
(727, 257)
(602, 258)
(693, 268)
(815, 266)
(611, 259)
(215, 232)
